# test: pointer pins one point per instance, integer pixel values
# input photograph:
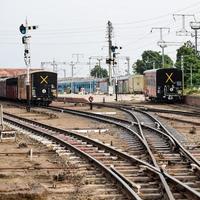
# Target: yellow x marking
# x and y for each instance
(169, 77)
(44, 79)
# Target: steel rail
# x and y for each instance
(120, 154)
(91, 114)
(103, 118)
(173, 141)
(96, 143)
(164, 182)
(158, 170)
(118, 106)
(109, 173)
(177, 143)
(178, 112)
(195, 194)
(140, 127)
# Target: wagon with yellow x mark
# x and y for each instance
(163, 84)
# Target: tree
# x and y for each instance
(191, 64)
(99, 72)
(151, 59)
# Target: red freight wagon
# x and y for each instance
(3, 87)
(11, 88)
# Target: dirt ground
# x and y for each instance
(27, 181)
(23, 178)
(186, 125)
(19, 176)
(46, 176)
(73, 122)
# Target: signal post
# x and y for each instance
(27, 57)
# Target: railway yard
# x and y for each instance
(100, 101)
(114, 151)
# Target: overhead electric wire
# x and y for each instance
(161, 16)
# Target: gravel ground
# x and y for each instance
(190, 131)
(22, 180)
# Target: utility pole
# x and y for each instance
(27, 57)
(72, 66)
(109, 33)
(161, 42)
(99, 61)
(183, 31)
(54, 64)
(78, 55)
(127, 58)
(182, 68)
(90, 74)
(113, 48)
(128, 65)
(195, 26)
(190, 75)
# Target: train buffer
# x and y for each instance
(7, 135)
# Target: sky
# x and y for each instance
(69, 27)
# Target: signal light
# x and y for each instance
(22, 29)
(24, 40)
(113, 48)
(26, 51)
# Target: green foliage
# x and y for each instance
(191, 63)
(99, 72)
(150, 60)
(191, 91)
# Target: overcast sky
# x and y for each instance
(69, 27)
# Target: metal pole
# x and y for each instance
(72, 64)
(54, 66)
(109, 50)
(154, 64)
(161, 43)
(90, 74)
(128, 64)
(77, 56)
(116, 89)
(28, 63)
(182, 67)
(190, 75)
(195, 41)
(163, 57)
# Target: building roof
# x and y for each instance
(12, 72)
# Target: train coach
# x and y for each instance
(130, 84)
(43, 87)
(163, 84)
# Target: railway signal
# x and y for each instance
(91, 99)
(27, 57)
(22, 29)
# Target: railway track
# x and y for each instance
(170, 155)
(179, 109)
(139, 179)
(168, 186)
(177, 195)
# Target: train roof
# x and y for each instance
(12, 72)
(41, 70)
(159, 69)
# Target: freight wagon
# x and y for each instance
(43, 87)
(163, 84)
